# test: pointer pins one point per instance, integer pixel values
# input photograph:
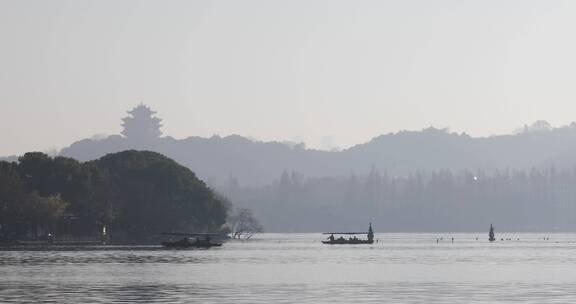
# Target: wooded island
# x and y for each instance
(125, 197)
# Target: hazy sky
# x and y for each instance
(326, 72)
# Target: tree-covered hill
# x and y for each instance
(134, 194)
(255, 163)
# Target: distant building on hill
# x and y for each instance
(141, 125)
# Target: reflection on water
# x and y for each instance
(292, 293)
(296, 268)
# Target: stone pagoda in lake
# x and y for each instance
(491, 237)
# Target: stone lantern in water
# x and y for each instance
(370, 233)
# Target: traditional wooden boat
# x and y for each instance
(332, 240)
(191, 240)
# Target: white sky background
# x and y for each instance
(326, 72)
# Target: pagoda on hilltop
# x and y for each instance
(141, 125)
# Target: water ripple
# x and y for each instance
(401, 268)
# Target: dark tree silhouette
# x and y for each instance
(134, 194)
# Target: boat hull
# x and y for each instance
(187, 244)
(348, 242)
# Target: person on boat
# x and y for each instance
(331, 238)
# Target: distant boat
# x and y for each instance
(351, 240)
(491, 237)
(191, 240)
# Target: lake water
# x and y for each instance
(297, 268)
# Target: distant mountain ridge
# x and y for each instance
(220, 159)
(237, 159)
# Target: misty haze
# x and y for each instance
(287, 152)
(418, 181)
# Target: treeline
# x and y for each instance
(514, 200)
(135, 195)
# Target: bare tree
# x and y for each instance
(244, 225)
